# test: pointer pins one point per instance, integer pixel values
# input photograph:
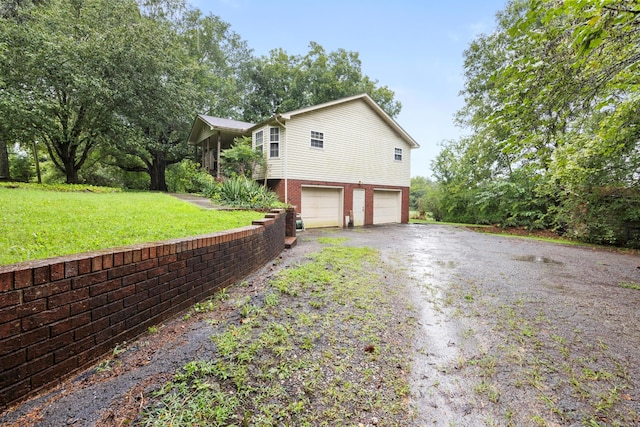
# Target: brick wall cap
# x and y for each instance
(120, 249)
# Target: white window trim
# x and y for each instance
(311, 139)
(273, 142)
(261, 145)
(398, 151)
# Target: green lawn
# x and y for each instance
(38, 224)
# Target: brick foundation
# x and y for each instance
(60, 315)
(294, 195)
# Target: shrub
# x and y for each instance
(241, 159)
(20, 167)
(187, 177)
(242, 192)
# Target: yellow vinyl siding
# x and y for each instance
(275, 168)
(358, 146)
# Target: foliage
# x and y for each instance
(118, 76)
(39, 224)
(425, 197)
(551, 100)
(283, 82)
(63, 188)
(99, 171)
(106, 83)
(223, 60)
(241, 159)
(431, 203)
(63, 63)
(242, 192)
(188, 177)
(159, 97)
(418, 189)
(20, 166)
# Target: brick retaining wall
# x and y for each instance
(60, 315)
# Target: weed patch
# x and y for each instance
(327, 346)
(630, 285)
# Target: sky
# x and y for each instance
(414, 47)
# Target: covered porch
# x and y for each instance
(211, 135)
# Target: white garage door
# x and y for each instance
(321, 207)
(386, 206)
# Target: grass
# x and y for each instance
(504, 233)
(37, 224)
(327, 347)
(630, 285)
(455, 224)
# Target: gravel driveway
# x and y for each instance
(508, 332)
(521, 332)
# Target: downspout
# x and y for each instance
(286, 180)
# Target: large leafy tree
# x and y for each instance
(160, 96)
(12, 14)
(551, 102)
(65, 59)
(223, 58)
(189, 63)
(281, 82)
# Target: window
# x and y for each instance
(259, 141)
(274, 142)
(317, 139)
(397, 154)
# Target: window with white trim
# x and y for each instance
(397, 154)
(317, 139)
(274, 142)
(259, 140)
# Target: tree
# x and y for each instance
(160, 96)
(551, 100)
(241, 159)
(282, 82)
(5, 174)
(185, 66)
(11, 13)
(67, 58)
(425, 197)
(223, 59)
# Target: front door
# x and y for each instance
(358, 207)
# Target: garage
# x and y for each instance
(321, 207)
(386, 206)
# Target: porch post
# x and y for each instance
(218, 157)
(207, 157)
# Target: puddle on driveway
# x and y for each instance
(537, 258)
(442, 398)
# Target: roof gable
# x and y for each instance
(362, 97)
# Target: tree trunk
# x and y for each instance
(157, 172)
(5, 173)
(71, 172)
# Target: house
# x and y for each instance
(341, 163)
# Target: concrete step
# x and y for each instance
(290, 242)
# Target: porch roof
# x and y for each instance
(205, 126)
